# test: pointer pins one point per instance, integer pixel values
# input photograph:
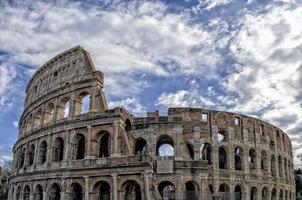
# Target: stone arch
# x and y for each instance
(273, 165)
(167, 190)
(104, 144)
(264, 193)
(264, 160)
(18, 193)
(165, 146)
(190, 148)
(224, 190)
(281, 194)
(238, 192)
(223, 158)
(140, 147)
(42, 152)
(253, 194)
(64, 108)
(20, 158)
(131, 190)
(101, 190)
(54, 192)
(29, 123)
(274, 194)
(253, 158)
(38, 118)
(128, 126)
(38, 193)
(82, 105)
(206, 153)
(49, 113)
(78, 146)
(222, 136)
(238, 158)
(76, 191)
(58, 149)
(285, 168)
(30, 155)
(26, 193)
(192, 189)
(280, 165)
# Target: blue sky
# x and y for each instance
(237, 55)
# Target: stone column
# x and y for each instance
(86, 187)
(88, 146)
(179, 187)
(55, 112)
(92, 99)
(178, 132)
(36, 155)
(146, 185)
(114, 189)
(114, 148)
(204, 191)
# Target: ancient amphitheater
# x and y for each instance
(66, 150)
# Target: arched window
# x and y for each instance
(76, 192)
(253, 193)
(29, 124)
(274, 194)
(85, 103)
(224, 189)
(238, 159)
(140, 147)
(104, 144)
(165, 146)
(167, 190)
(18, 193)
(102, 190)
(264, 161)
(128, 126)
(63, 109)
(191, 190)
(21, 157)
(222, 136)
(58, 149)
(38, 119)
(206, 153)
(31, 155)
(238, 192)
(273, 166)
(285, 168)
(54, 192)
(38, 194)
(264, 194)
(49, 113)
(26, 193)
(222, 158)
(78, 146)
(132, 191)
(42, 152)
(190, 148)
(253, 158)
(280, 165)
(281, 194)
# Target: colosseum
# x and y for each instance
(72, 146)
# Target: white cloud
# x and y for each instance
(131, 104)
(210, 4)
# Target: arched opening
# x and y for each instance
(222, 158)
(63, 108)
(26, 193)
(102, 190)
(83, 105)
(274, 194)
(28, 124)
(38, 118)
(238, 192)
(165, 146)
(286, 195)
(206, 153)
(78, 146)
(49, 113)
(211, 189)
(253, 158)
(18, 193)
(285, 168)
(190, 148)
(58, 149)
(140, 147)
(238, 159)
(132, 190)
(191, 190)
(224, 191)
(222, 136)
(21, 157)
(104, 144)
(38, 194)
(281, 194)
(128, 126)
(273, 165)
(54, 192)
(31, 155)
(42, 152)
(264, 161)
(76, 191)
(253, 193)
(265, 194)
(280, 165)
(167, 190)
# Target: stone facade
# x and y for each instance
(66, 151)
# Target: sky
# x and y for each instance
(237, 55)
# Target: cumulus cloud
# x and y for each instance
(132, 104)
